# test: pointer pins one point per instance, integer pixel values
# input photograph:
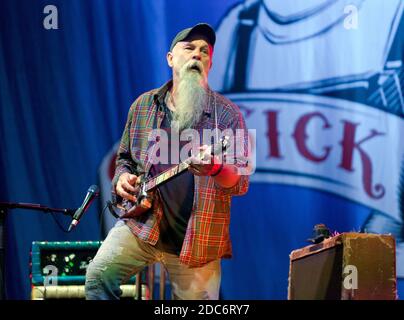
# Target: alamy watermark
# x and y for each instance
(351, 21)
(233, 147)
(51, 278)
(351, 279)
(51, 19)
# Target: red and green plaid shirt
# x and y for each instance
(207, 236)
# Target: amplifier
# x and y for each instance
(58, 270)
(349, 266)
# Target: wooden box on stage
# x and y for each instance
(349, 266)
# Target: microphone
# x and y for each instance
(92, 193)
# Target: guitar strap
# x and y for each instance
(247, 23)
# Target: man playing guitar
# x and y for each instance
(175, 205)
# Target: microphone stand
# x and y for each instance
(4, 206)
(34, 206)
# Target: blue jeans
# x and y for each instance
(122, 255)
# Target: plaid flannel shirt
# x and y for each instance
(207, 236)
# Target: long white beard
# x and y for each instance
(191, 97)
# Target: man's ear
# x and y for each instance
(169, 59)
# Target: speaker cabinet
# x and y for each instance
(58, 271)
(349, 266)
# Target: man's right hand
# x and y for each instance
(127, 186)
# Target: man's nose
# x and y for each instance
(197, 55)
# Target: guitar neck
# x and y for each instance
(165, 176)
(176, 170)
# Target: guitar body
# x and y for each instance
(132, 210)
(129, 209)
(144, 202)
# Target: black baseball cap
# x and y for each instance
(200, 28)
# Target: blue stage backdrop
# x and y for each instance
(320, 81)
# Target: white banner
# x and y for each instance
(326, 143)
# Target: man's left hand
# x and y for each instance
(202, 164)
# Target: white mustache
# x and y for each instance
(194, 64)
